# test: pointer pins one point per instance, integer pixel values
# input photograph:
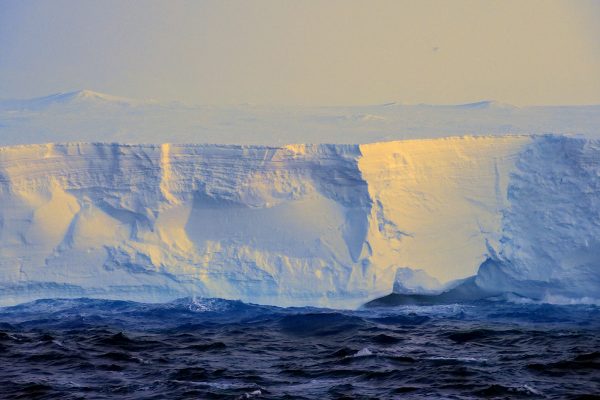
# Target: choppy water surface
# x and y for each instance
(203, 349)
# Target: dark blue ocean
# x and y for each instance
(218, 349)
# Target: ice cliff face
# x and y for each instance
(295, 225)
(550, 244)
(276, 225)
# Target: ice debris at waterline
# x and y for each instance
(328, 225)
(211, 348)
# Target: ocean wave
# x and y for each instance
(216, 348)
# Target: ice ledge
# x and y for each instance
(299, 147)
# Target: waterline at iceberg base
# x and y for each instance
(297, 225)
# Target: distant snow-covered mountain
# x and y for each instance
(66, 101)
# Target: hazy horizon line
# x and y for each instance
(106, 96)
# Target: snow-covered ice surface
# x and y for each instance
(323, 224)
(87, 116)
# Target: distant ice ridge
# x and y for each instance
(327, 225)
(90, 116)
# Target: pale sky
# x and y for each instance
(305, 52)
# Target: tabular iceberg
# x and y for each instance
(328, 225)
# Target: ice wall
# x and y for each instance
(550, 244)
(275, 225)
(299, 224)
